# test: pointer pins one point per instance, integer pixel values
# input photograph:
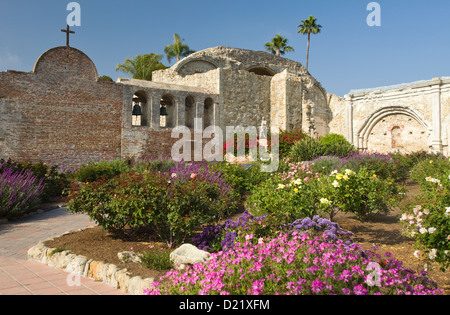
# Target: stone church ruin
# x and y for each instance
(62, 114)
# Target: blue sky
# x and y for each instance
(412, 43)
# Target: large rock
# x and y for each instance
(188, 254)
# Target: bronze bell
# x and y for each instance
(163, 111)
(137, 111)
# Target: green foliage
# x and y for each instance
(305, 150)
(278, 46)
(142, 66)
(105, 78)
(336, 145)
(241, 178)
(288, 139)
(429, 168)
(305, 194)
(157, 259)
(362, 193)
(172, 209)
(285, 202)
(94, 171)
(178, 49)
(428, 222)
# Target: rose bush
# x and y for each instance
(429, 221)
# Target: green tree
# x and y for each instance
(142, 66)
(178, 49)
(309, 27)
(105, 78)
(278, 45)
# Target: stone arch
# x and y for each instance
(190, 111)
(366, 129)
(140, 101)
(169, 102)
(208, 115)
(261, 70)
(193, 65)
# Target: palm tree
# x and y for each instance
(278, 46)
(142, 66)
(177, 49)
(309, 27)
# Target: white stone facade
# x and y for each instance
(407, 118)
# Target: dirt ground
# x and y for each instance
(383, 231)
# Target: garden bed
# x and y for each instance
(383, 231)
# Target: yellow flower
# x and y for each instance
(346, 177)
(339, 176)
(281, 186)
(296, 190)
(349, 172)
(374, 176)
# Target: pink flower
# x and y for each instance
(193, 176)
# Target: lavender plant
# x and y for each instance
(19, 192)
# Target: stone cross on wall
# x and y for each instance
(68, 32)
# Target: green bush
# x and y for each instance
(241, 178)
(428, 222)
(429, 168)
(336, 145)
(290, 198)
(288, 139)
(172, 209)
(285, 202)
(305, 150)
(94, 171)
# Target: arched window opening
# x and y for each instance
(261, 71)
(139, 109)
(189, 112)
(396, 134)
(208, 116)
(167, 111)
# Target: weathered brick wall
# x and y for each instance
(60, 113)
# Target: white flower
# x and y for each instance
(447, 211)
(426, 211)
(431, 230)
(417, 254)
(281, 186)
(349, 172)
(174, 175)
(423, 230)
(333, 173)
(432, 255)
(336, 184)
(325, 201)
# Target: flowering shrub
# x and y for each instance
(361, 193)
(429, 222)
(318, 226)
(294, 264)
(301, 193)
(55, 178)
(223, 237)
(171, 204)
(286, 200)
(19, 192)
(391, 167)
